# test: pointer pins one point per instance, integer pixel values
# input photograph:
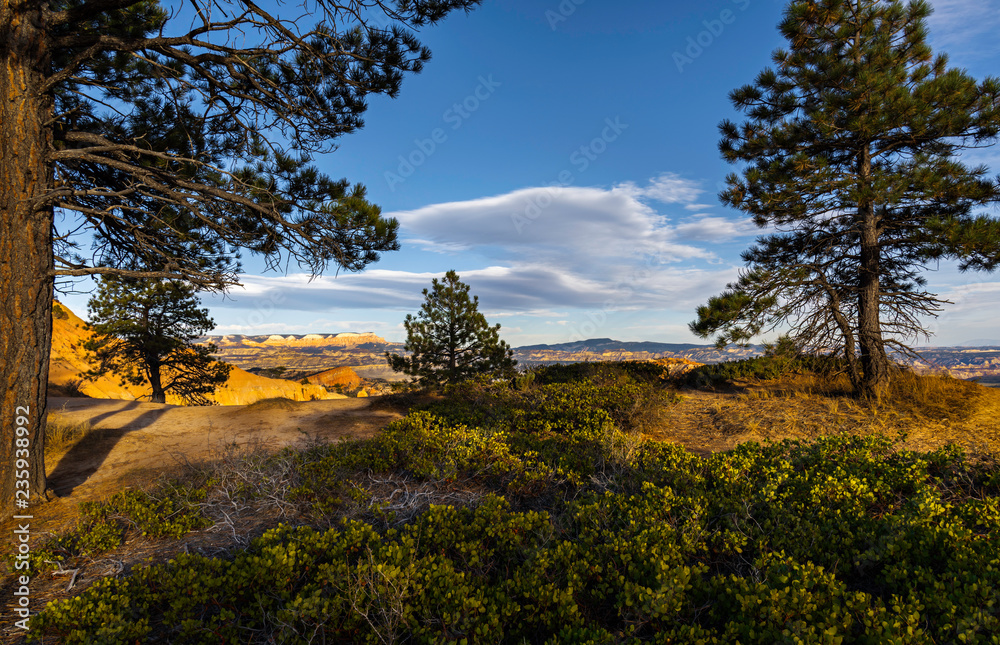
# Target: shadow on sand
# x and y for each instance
(94, 449)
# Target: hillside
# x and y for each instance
(69, 360)
(593, 502)
(304, 355)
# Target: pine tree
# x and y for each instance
(449, 340)
(853, 144)
(168, 139)
(145, 332)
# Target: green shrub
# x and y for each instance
(105, 525)
(580, 533)
(763, 368)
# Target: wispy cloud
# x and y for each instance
(627, 248)
(669, 188)
(527, 290)
(714, 229)
(312, 326)
(965, 28)
(580, 228)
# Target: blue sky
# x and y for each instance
(562, 158)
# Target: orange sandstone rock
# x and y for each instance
(343, 377)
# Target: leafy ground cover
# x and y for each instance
(539, 512)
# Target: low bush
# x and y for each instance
(564, 397)
(764, 368)
(574, 531)
(843, 540)
(104, 526)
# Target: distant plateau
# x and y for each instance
(304, 355)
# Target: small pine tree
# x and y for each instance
(449, 340)
(144, 332)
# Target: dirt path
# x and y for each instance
(137, 436)
(134, 442)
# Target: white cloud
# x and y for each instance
(525, 290)
(975, 301)
(314, 326)
(586, 229)
(446, 248)
(715, 229)
(560, 253)
(668, 188)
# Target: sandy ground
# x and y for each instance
(151, 437)
(136, 442)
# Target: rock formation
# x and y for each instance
(309, 354)
(342, 377)
(677, 366)
(69, 360)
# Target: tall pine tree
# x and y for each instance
(449, 340)
(166, 139)
(853, 144)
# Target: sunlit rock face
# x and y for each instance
(244, 388)
(69, 360)
(310, 354)
(343, 339)
(678, 366)
(343, 377)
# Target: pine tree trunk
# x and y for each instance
(874, 362)
(25, 255)
(850, 349)
(153, 368)
(850, 355)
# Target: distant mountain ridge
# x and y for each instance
(608, 344)
(364, 352)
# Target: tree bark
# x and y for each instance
(153, 370)
(874, 362)
(26, 262)
(850, 351)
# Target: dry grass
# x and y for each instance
(935, 397)
(61, 434)
(927, 412)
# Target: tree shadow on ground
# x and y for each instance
(89, 453)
